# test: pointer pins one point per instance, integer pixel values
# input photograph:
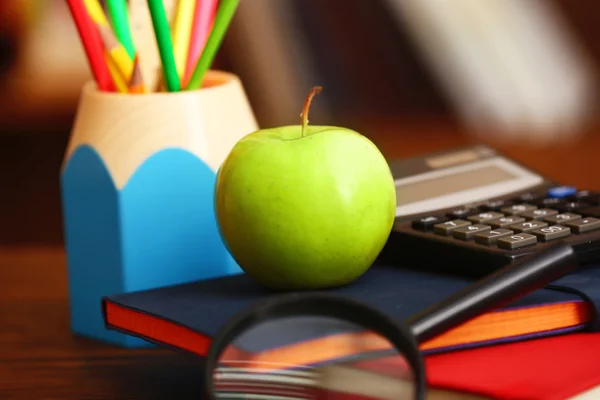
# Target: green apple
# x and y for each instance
(305, 207)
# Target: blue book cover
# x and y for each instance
(187, 316)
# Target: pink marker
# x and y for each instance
(203, 20)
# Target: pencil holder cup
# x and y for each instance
(137, 189)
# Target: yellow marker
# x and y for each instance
(181, 33)
(112, 46)
(117, 53)
(116, 75)
(96, 12)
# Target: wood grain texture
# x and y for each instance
(40, 359)
(30, 165)
(126, 130)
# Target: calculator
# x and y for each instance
(472, 211)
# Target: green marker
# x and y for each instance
(222, 20)
(117, 10)
(162, 31)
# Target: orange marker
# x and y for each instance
(136, 84)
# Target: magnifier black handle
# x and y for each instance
(495, 290)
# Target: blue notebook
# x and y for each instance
(187, 316)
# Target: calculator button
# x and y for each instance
(561, 218)
(446, 228)
(528, 226)
(550, 202)
(590, 211)
(551, 232)
(572, 206)
(518, 209)
(504, 222)
(539, 213)
(462, 212)
(516, 241)
(587, 196)
(584, 225)
(485, 216)
(491, 236)
(494, 205)
(426, 223)
(561, 191)
(467, 232)
(529, 197)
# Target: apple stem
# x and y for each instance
(315, 90)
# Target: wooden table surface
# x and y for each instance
(40, 359)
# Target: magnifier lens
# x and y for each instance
(310, 357)
(317, 346)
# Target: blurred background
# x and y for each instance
(413, 75)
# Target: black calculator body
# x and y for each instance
(472, 211)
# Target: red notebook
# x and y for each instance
(549, 369)
(554, 368)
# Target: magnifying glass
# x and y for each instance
(317, 346)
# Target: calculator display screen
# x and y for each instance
(457, 182)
